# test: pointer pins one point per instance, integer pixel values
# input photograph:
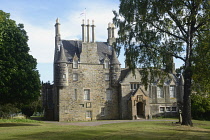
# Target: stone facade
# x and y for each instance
(89, 83)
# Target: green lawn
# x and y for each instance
(27, 130)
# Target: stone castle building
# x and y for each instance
(89, 83)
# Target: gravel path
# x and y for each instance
(97, 123)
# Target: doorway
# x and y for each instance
(140, 109)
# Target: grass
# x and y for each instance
(33, 130)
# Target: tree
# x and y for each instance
(152, 31)
(19, 79)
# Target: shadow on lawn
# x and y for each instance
(16, 124)
(111, 134)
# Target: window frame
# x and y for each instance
(107, 77)
(75, 64)
(161, 107)
(106, 64)
(168, 107)
(75, 76)
(87, 94)
(160, 93)
(172, 95)
(88, 114)
(102, 111)
(173, 110)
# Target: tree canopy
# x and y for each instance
(154, 31)
(19, 79)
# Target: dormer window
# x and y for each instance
(106, 64)
(75, 64)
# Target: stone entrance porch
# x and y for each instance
(139, 103)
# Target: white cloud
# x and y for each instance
(41, 38)
(41, 43)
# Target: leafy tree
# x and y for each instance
(201, 65)
(153, 31)
(200, 106)
(19, 79)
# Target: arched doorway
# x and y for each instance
(140, 109)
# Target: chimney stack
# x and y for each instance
(83, 31)
(88, 31)
(111, 39)
(93, 31)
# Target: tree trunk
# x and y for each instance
(186, 120)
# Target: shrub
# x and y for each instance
(7, 111)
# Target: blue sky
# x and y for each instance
(38, 17)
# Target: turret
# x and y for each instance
(115, 68)
(62, 69)
(111, 39)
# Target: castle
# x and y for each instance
(89, 83)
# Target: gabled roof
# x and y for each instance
(133, 93)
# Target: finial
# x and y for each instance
(109, 25)
(92, 22)
(83, 21)
(57, 20)
(88, 21)
(112, 25)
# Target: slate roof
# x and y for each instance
(75, 46)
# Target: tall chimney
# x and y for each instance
(109, 30)
(57, 28)
(88, 31)
(113, 30)
(83, 31)
(93, 31)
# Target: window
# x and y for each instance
(103, 111)
(162, 109)
(172, 92)
(106, 76)
(75, 94)
(64, 76)
(88, 114)
(173, 109)
(86, 94)
(114, 76)
(106, 64)
(75, 76)
(168, 109)
(134, 86)
(108, 94)
(160, 93)
(75, 64)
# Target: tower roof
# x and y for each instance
(62, 57)
(114, 59)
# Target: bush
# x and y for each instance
(28, 110)
(7, 111)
